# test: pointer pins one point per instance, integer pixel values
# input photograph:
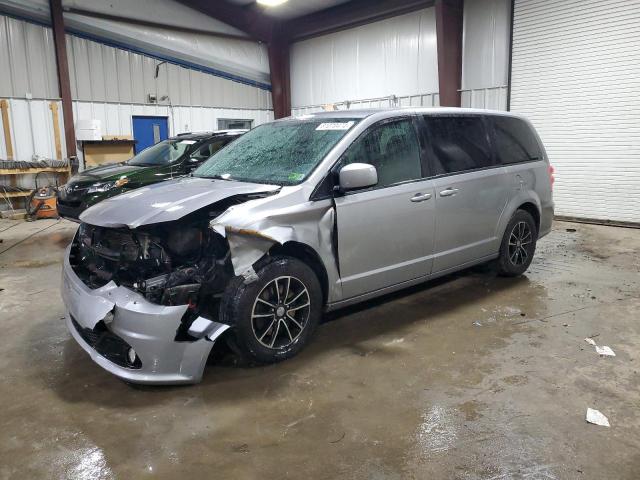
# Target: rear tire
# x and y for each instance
(275, 316)
(518, 245)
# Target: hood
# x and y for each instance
(105, 172)
(166, 202)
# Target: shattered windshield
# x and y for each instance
(279, 153)
(162, 153)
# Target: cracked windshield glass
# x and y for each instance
(280, 153)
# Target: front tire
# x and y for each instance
(518, 245)
(275, 316)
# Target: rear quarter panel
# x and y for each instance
(535, 189)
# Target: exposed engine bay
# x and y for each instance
(167, 265)
(183, 262)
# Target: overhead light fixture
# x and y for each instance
(271, 3)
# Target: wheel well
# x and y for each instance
(533, 211)
(308, 255)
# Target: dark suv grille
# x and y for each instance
(107, 344)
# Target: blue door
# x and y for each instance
(148, 131)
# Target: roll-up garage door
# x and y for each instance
(576, 76)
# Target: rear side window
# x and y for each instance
(209, 149)
(459, 143)
(515, 141)
(392, 148)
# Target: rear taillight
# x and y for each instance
(552, 175)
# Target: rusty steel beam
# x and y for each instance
(278, 50)
(60, 46)
(449, 46)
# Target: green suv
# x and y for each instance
(171, 158)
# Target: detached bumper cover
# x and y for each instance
(148, 328)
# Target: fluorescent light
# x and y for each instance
(271, 3)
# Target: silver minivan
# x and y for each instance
(296, 217)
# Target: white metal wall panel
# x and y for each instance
(101, 73)
(27, 59)
(576, 75)
(31, 127)
(240, 56)
(116, 118)
(485, 53)
(396, 56)
(485, 43)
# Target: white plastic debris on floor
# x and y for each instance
(602, 350)
(605, 351)
(597, 418)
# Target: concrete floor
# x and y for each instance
(470, 377)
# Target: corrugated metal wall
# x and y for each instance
(396, 56)
(106, 74)
(576, 75)
(28, 60)
(485, 53)
(109, 84)
(31, 125)
(116, 118)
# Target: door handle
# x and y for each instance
(449, 192)
(420, 197)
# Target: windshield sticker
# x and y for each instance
(335, 126)
(294, 177)
(188, 142)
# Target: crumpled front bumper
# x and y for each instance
(148, 328)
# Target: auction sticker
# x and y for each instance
(335, 126)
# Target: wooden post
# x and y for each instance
(6, 127)
(56, 129)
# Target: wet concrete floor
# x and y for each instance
(468, 377)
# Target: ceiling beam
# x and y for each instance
(148, 23)
(349, 15)
(250, 19)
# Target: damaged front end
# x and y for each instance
(179, 263)
(144, 302)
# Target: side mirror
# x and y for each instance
(358, 175)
